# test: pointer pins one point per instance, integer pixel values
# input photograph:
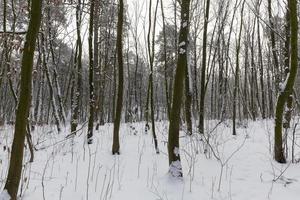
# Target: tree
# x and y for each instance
(151, 52)
(203, 71)
(49, 80)
(16, 160)
(273, 45)
(165, 59)
(263, 104)
(119, 103)
(91, 75)
(77, 85)
(237, 72)
(173, 138)
(286, 88)
(96, 60)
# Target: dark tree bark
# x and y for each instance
(97, 79)
(119, 105)
(16, 160)
(253, 102)
(286, 88)
(188, 101)
(78, 83)
(91, 76)
(151, 52)
(173, 139)
(203, 70)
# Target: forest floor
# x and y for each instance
(228, 168)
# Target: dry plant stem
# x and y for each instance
(88, 175)
(222, 163)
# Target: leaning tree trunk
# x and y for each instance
(118, 113)
(60, 110)
(286, 88)
(16, 160)
(50, 85)
(173, 140)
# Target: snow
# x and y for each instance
(181, 51)
(4, 195)
(182, 44)
(175, 168)
(282, 85)
(176, 151)
(231, 167)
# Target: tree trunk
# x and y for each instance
(77, 89)
(151, 62)
(165, 61)
(286, 88)
(91, 76)
(173, 139)
(15, 167)
(203, 71)
(237, 71)
(273, 45)
(263, 104)
(50, 85)
(188, 100)
(118, 111)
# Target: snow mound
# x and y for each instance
(176, 169)
(4, 195)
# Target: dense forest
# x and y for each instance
(194, 87)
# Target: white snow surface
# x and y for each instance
(175, 169)
(69, 169)
(182, 44)
(176, 151)
(4, 195)
(181, 51)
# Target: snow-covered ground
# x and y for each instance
(230, 167)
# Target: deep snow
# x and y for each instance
(230, 167)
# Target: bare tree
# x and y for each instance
(173, 139)
(91, 75)
(151, 52)
(203, 70)
(286, 88)
(119, 105)
(237, 73)
(77, 84)
(16, 160)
